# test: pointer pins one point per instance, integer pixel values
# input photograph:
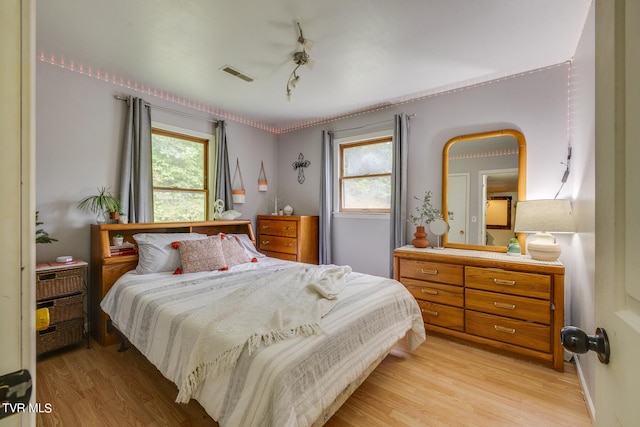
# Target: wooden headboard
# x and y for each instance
(107, 268)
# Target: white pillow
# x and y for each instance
(155, 253)
(230, 214)
(248, 246)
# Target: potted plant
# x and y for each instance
(117, 240)
(101, 204)
(41, 235)
(425, 214)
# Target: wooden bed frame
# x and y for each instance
(106, 269)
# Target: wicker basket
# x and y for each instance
(65, 308)
(56, 283)
(60, 335)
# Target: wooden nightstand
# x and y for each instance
(289, 237)
(62, 289)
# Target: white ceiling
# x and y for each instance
(367, 52)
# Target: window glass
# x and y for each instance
(179, 165)
(365, 175)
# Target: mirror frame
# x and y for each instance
(522, 178)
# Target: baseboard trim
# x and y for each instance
(585, 391)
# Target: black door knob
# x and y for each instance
(576, 340)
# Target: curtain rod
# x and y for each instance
(124, 98)
(370, 124)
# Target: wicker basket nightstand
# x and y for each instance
(62, 289)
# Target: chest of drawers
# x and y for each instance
(289, 237)
(61, 289)
(513, 304)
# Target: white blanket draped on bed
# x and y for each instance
(287, 303)
(290, 382)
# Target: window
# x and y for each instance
(365, 175)
(179, 168)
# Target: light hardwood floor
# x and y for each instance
(443, 383)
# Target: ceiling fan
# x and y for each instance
(300, 58)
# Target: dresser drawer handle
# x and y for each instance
(430, 313)
(433, 272)
(287, 228)
(265, 242)
(505, 330)
(429, 291)
(289, 245)
(504, 282)
(504, 305)
(265, 227)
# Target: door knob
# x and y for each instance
(576, 340)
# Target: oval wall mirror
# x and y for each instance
(483, 178)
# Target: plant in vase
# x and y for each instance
(102, 204)
(425, 214)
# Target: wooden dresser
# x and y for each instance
(289, 237)
(509, 303)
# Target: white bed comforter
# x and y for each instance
(286, 383)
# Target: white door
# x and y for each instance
(618, 209)
(457, 200)
(17, 227)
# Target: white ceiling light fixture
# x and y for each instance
(300, 58)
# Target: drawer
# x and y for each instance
(274, 227)
(431, 271)
(435, 292)
(285, 245)
(59, 282)
(60, 335)
(280, 255)
(509, 282)
(518, 332)
(66, 308)
(530, 309)
(442, 315)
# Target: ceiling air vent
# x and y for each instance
(236, 73)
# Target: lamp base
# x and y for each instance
(543, 247)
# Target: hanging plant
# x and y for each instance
(263, 185)
(238, 195)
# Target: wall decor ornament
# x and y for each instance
(218, 208)
(299, 165)
(238, 195)
(263, 185)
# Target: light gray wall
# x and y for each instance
(79, 128)
(580, 266)
(533, 103)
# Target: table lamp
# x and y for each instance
(544, 217)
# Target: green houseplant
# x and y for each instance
(424, 215)
(41, 235)
(101, 204)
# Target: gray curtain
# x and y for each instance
(223, 173)
(326, 197)
(399, 184)
(136, 181)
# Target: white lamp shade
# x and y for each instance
(552, 216)
(544, 217)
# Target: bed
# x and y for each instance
(264, 342)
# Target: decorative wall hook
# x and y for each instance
(299, 165)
